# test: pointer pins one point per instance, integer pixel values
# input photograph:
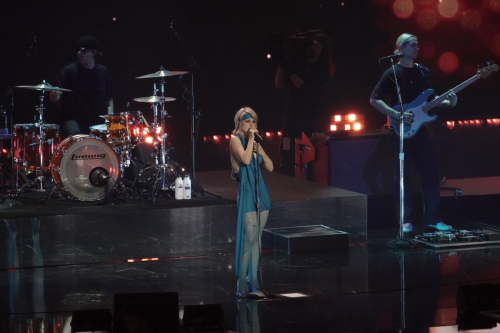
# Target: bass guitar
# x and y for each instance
(420, 107)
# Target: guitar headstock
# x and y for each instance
(487, 69)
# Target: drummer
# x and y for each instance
(92, 90)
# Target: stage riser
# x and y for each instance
(194, 231)
(305, 239)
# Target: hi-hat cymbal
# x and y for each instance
(161, 73)
(44, 86)
(153, 99)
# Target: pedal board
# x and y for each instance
(458, 238)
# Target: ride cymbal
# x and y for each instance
(162, 73)
(153, 99)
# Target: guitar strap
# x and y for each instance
(426, 74)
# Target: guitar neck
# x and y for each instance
(427, 107)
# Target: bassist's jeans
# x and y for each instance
(418, 150)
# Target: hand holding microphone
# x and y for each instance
(257, 136)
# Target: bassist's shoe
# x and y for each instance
(407, 227)
(440, 226)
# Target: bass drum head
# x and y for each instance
(80, 158)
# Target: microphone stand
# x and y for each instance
(195, 114)
(401, 154)
(260, 293)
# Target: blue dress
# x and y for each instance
(247, 199)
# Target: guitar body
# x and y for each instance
(420, 116)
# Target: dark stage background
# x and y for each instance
(229, 40)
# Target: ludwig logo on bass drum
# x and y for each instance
(88, 157)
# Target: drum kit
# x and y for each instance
(125, 153)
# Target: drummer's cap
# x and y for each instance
(88, 42)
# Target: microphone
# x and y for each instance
(399, 55)
(258, 137)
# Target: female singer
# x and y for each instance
(246, 157)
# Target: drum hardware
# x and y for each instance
(43, 87)
(159, 141)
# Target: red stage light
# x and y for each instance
(427, 19)
(448, 8)
(494, 5)
(357, 126)
(424, 2)
(427, 49)
(493, 122)
(269, 134)
(403, 8)
(450, 124)
(149, 139)
(337, 117)
(495, 45)
(227, 137)
(347, 127)
(216, 138)
(333, 127)
(448, 62)
(351, 117)
(471, 19)
(279, 133)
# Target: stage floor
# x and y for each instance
(79, 257)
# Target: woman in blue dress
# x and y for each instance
(246, 158)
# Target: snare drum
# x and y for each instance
(85, 168)
(27, 146)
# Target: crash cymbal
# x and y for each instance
(44, 86)
(153, 99)
(161, 73)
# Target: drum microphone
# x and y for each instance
(99, 177)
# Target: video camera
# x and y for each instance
(292, 48)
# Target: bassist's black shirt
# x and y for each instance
(412, 81)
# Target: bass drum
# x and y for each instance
(85, 168)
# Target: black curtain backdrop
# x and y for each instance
(229, 40)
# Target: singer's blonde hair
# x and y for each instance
(402, 40)
(239, 114)
(235, 166)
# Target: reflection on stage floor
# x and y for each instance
(54, 264)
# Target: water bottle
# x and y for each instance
(187, 187)
(179, 188)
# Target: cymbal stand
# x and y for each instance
(164, 114)
(41, 139)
